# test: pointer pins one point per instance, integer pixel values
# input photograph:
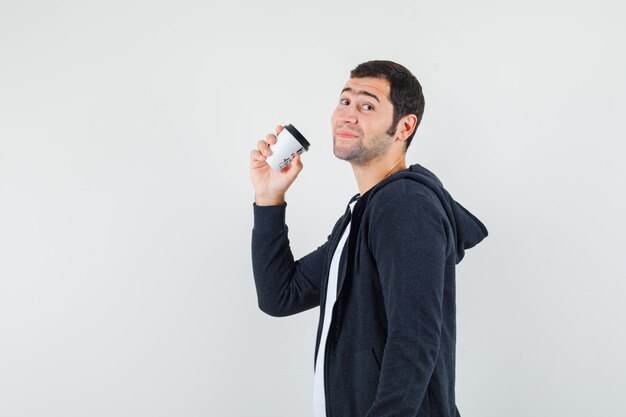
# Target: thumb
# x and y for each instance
(295, 167)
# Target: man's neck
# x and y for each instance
(374, 172)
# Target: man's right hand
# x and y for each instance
(270, 186)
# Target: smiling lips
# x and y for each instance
(346, 134)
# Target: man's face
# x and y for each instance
(361, 120)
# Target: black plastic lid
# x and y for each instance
(294, 132)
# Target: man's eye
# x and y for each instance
(344, 101)
(368, 107)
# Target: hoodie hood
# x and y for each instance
(467, 229)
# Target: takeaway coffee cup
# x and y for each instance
(289, 143)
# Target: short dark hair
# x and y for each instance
(404, 90)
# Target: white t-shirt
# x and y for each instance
(319, 399)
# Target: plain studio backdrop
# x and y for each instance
(126, 208)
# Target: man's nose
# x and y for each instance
(348, 114)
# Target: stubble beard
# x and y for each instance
(358, 153)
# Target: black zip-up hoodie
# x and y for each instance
(390, 350)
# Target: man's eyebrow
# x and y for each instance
(360, 92)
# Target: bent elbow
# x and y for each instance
(273, 310)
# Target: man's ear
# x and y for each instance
(406, 126)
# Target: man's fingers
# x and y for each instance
(270, 139)
(263, 147)
(255, 155)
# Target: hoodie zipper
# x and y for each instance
(347, 222)
(331, 325)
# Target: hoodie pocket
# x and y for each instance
(377, 359)
(365, 376)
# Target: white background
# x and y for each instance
(126, 207)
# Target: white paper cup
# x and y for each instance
(289, 143)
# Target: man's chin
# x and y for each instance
(343, 150)
(344, 156)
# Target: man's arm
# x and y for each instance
(408, 240)
(284, 286)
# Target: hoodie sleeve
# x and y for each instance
(409, 242)
(284, 286)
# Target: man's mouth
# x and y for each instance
(345, 134)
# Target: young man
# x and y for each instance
(385, 279)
